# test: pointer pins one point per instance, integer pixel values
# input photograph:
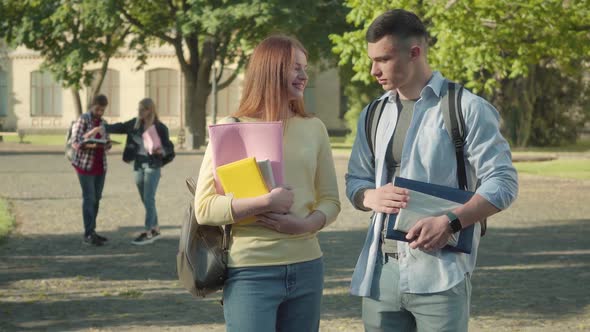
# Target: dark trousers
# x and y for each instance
(91, 193)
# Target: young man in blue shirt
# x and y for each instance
(417, 285)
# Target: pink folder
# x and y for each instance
(151, 140)
(238, 140)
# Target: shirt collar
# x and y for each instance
(435, 85)
(388, 94)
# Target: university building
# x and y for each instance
(32, 101)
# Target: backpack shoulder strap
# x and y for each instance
(455, 124)
(374, 112)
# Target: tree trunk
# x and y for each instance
(77, 101)
(518, 100)
(102, 73)
(197, 89)
(190, 115)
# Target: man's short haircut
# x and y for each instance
(100, 100)
(398, 23)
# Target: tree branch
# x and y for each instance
(233, 76)
(138, 24)
(176, 42)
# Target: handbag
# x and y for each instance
(201, 261)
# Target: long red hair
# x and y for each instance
(266, 94)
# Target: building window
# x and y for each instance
(3, 93)
(109, 88)
(162, 85)
(45, 95)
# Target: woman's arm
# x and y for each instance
(167, 151)
(120, 127)
(279, 200)
(326, 201)
(212, 208)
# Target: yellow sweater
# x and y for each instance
(309, 170)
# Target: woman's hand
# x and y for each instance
(283, 223)
(291, 224)
(92, 132)
(280, 200)
(158, 151)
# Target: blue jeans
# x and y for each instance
(91, 193)
(274, 298)
(147, 180)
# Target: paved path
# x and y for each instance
(533, 271)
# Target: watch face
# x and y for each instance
(455, 225)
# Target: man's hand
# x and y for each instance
(386, 199)
(429, 234)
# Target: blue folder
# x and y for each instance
(452, 194)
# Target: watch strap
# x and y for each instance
(454, 222)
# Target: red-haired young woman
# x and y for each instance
(276, 269)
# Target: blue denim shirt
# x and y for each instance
(429, 155)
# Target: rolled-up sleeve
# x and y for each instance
(78, 130)
(489, 153)
(326, 185)
(361, 170)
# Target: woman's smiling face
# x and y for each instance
(297, 76)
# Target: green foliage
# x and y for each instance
(69, 34)
(485, 44)
(233, 28)
(206, 32)
(566, 168)
(561, 110)
(363, 94)
(6, 219)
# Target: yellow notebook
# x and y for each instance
(242, 179)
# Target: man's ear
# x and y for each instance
(415, 51)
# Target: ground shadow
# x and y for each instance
(541, 271)
(532, 271)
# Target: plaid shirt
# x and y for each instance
(84, 158)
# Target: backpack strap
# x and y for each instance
(455, 123)
(374, 112)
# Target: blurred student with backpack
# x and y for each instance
(89, 160)
(149, 147)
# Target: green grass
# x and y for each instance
(565, 168)
(59, 139)
(6, 219)
(339, 143)
(580, 146)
